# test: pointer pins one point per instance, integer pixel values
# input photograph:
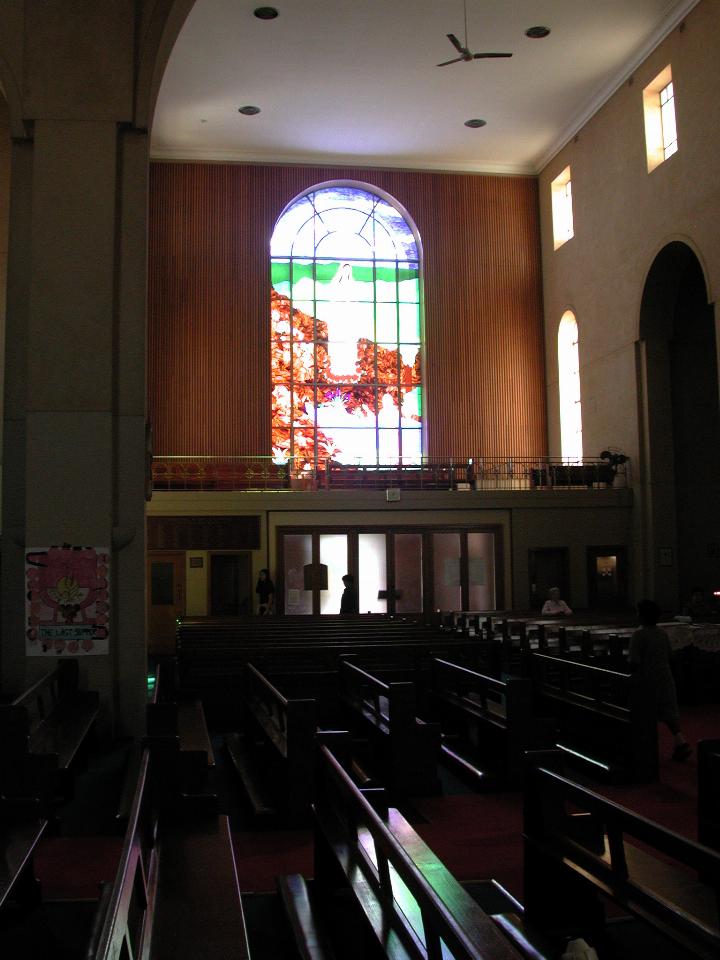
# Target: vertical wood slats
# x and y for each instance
(208, 326)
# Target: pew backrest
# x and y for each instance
(605, 716)
(288, 726)
(407, 747)
(571, 832)
(43, 732)
(375, 849)
(496, 714)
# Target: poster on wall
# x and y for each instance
(67, 601)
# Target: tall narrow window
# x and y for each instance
(569, 381)
(667, 120)
(346, 332)
(661, 139)
(562, 211)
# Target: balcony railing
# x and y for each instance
(433, 473)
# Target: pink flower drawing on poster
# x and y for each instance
(68, 600)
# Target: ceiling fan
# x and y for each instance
(464, 51)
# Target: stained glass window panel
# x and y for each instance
(345, 330)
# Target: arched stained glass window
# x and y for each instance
(569, 381)
(346, 331)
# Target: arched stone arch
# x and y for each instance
(159, 34)
(680, 452)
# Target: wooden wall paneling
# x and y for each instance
(208, 341)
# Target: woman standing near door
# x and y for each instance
(265, 590)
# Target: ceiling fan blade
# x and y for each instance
(487, 56)
(456, 43)
(446, 62)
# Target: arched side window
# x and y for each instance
(569, 380)
(346, 331)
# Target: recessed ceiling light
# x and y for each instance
(537, 33)
(265, 13)
(249, 111)
(475, 123)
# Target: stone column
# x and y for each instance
(75, 366)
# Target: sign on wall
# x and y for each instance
(67, 600)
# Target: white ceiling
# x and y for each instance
(357, 81)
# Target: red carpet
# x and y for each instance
(72, 868)
(477, 836)
(262, 856)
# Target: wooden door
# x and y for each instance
(230, 585)
(548, 568)
(607, 577)
(166, 599)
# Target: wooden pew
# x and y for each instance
(581, 848)
(21, 827)
(212, 657)
(175, 895)
(487, 724)
(606, 722)
(407, 902)
(169, 715)
(402, 748)
(273, 754)
(45, 731)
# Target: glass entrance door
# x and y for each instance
(401, 571)
(407, 595)
(313, 564)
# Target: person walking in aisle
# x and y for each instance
(649, 657)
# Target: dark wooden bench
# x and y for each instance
(606, 721)
(487, 723)
(45, 732)
(581, 849)
(212, 660)
(21, 827)
(403, 749)
(409, 905)
(170, 715)
(273, 753)
(175, 895)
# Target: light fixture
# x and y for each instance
(249, 111)
(474, 124)
(265, 13)
(537, 33)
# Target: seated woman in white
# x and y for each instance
(554, 606)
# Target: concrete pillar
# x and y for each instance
(74, 461)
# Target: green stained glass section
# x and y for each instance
(280, 276)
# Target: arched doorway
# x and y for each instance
(681, 462)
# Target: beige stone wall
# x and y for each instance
(623, 217)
